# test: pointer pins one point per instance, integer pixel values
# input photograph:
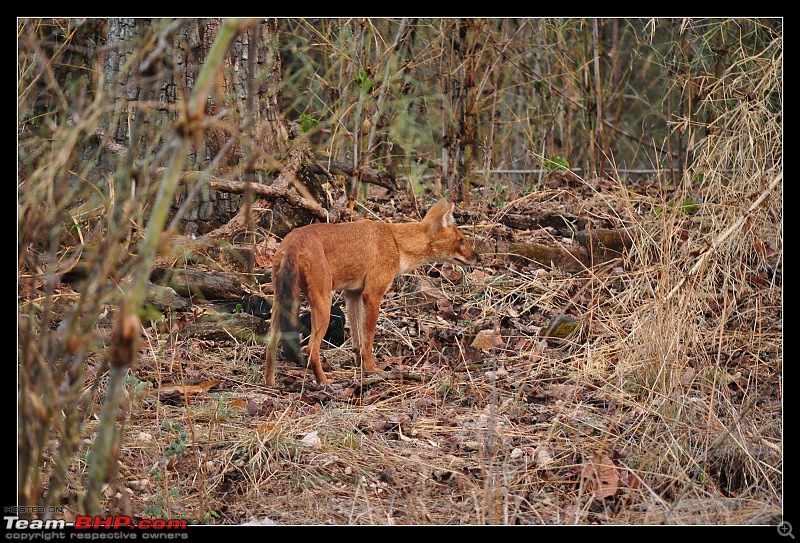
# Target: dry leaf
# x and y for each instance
(600, 475)
(629, 479)
(565, 392)
(486, 339)
(478, 276)
(499, 373)
(443, 304)
(312, 440)
(518, 452)
(539, 456)
(186, 390)
(264, 253)
(240, 403)
(543, 457)
(266, 427)
(138, 484)
(399, 418)
(688, 376)
(429, 291)
(452, 274)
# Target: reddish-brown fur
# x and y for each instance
(361, 259)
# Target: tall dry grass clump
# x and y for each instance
(57, 330)
(703, 349)
(107, 224)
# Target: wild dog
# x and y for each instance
(360, 259)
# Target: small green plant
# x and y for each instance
(161, 506)
(556, 163)
(175, 445)
(138, 385)
(160, 509)
(349, 441)
(499, 194)
(223, 410)
(688, 206)
(207, 516)
(363, 80)
(307, 122)
(448, 389)
(152, 314)
(156, 474)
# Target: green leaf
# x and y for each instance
(688, 206)
(557, 163)
(307, 122)
(364, 81)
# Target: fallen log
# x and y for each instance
(206, 285)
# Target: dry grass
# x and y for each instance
(680, 393)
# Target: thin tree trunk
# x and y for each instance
(598, 96)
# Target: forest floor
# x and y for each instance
(480, 418)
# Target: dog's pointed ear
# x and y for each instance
(448, 217)
(439, 216)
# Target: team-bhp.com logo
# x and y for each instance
(95, 527)
(85, 522)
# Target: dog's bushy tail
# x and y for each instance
(285, 308)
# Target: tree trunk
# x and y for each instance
(459, 89)
(122, 32)
(248, 142)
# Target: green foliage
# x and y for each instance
(363, 80)
(160, 509)
(150, 313)
(417, 186)
(415, 178)
(698, 178)
(222, 410)
(687, 206)
(208, 515)
(177, 444)
(351, 441)
(157, 474)
(556, 163)
(307, 122)
(449, 389)
(138, 385)
(498, 196)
